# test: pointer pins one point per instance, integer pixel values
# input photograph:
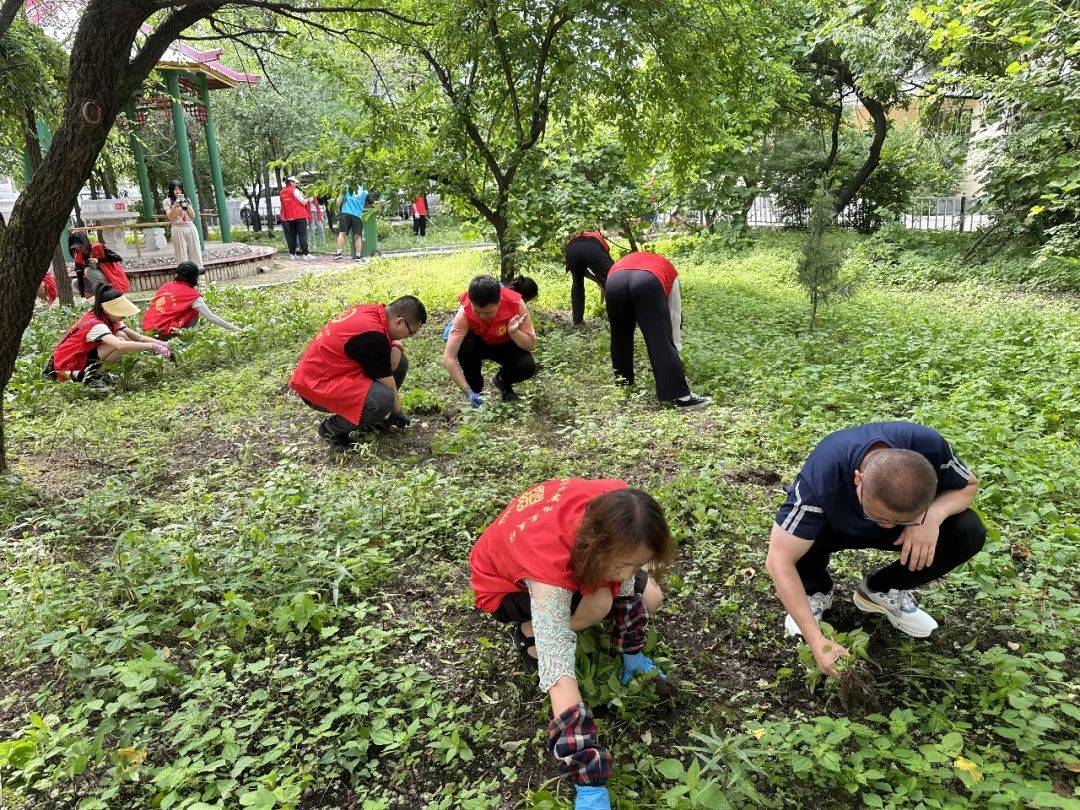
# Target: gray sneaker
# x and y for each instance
(899, 607)
(819, 603)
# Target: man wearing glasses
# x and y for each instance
(353, 369)
(887, 485)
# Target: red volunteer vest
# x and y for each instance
(292, 208)
(533, 539)
(73, 349)
(113, 271)
(495, 331)
(171, 308)
(651, 263)
(330, 378)
(599, 237)
(420, 207)
(50, 286)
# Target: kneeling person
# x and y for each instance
(493, 323)
(354, 368)
(894, 486)
(178, 304)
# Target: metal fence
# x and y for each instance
(925, 214)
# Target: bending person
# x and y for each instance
(586, 256)
(354, 368)
(643, 291)
(563, 556)
(178, 304)
(97, 338)
(493, 323)
(895, 486)
(47, 292)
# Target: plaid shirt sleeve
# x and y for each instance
(631, 623)
(573, 742)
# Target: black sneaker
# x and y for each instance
(691, 402)
(339, 441)
(508, 392)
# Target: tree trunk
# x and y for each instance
(508, 249)
(873, 159)
(269, 201)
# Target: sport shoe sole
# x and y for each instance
(869, 606)
(789, 622)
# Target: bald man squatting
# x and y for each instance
(886, 485)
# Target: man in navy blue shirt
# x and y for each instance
(886, 485)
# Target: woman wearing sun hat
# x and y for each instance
(100, 337)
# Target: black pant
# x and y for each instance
(636, 298)
(295, 235)
(585, 258)
(419, 225)
(515, 364)
(961, 537)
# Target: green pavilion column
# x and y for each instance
(187, 174)
(215, 163)
(140, 165)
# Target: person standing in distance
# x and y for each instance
(294, 220)
(185, 234)
(895, 486)
(350, 212)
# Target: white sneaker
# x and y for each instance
(819, 603)
(308, 257)
(899, 607)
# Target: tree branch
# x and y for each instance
(8, 12)
(508, 73)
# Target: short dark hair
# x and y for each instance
(615, 525)
(102, 295)
(410, 308)
(484, 290)
(188, 272)
(525, 287)
(902, 481)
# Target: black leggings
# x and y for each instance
(295, 236)
(585, 258)
(419, 225)
(961, 538)
(515, 364)
(636, 298)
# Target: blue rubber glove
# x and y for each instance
(474, 398)
(446, 331)
(633, 663)
(590, 797)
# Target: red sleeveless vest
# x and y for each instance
(330, 378)
(495, 331)
(73, 349)
(50, 286)
(113, 271)
(652, 263)
(171, 308)
(533, 539)
(292, 208)
(599, 237)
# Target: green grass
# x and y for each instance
(202, 605)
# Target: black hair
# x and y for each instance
(174, 185)
(903, 481)
(78, 241)
(484, 290)
(410, 308)
(188, 272)
(102, 295)
(525, 287)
